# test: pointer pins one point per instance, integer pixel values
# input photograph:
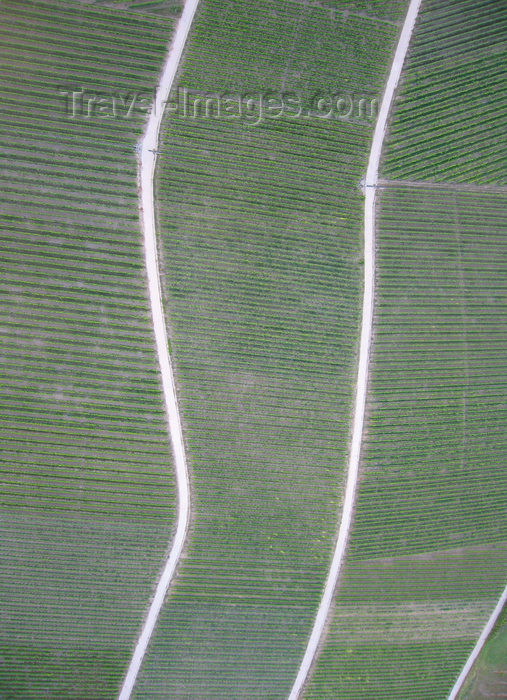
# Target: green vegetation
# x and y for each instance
(450, 122)
(261, 231)
(87, 502)
(428, 551)
(261, 249)
(488, 677)
(427, 555)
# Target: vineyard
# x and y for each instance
(87, 502)
(428, 552)
(260, 230)
(451, 119)
(428, 549)
(261, 253)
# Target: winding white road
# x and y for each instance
(146, 171)
(364, 349)
(488, 627)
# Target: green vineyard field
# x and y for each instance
(450, 122)
(427, 557)
(260, 225)
(428, 552)
(87, 501)
(261, 252)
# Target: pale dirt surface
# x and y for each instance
(408, 622)
(146, 171)
(146, 175)
(453, 186)
(364, 350)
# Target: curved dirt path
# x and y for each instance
(364, 350)
(488, 627)
(146, 171)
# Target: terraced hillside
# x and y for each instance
(451, 119)
(261, 230)
(87, 501)
(261, 249)
(428, 553)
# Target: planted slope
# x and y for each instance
(261, 229)
(428, 555)
(87, 503)
(450, 122)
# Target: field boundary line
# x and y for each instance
(488, 627)
(146, 171)
(369, 190)
(450, 186)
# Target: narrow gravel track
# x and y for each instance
(146, 171)
(488, 627)
(370, 185)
